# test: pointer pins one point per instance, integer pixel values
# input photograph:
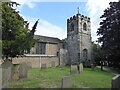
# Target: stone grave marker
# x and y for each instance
(116, 82)
(81, 67)
(5, 78)
(23, 70)
(8, 65)
(29, 64)
(74, 70)
(0, 77)
(16, 72)
(53, 64)
(66, 82)
(43, 67)
(7, 72)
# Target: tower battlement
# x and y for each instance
(78, 16)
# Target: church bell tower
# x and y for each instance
(79, 38)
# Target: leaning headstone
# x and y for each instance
(116, 82)
(81, 67)
(66, 82)
(53, 64)
(43, 67)
(23, 70)
(74, 70)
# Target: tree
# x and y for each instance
(16, 37)
(109, 32)
(65, 41)
(97, 53)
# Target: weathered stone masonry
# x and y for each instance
(79, 38)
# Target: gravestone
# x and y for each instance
(53, 64)
(23, 70)
(0, 77)
(29, 64)
(81, 67)
(116, 82)
(5, 78)
(16, 72)
(7, 73)
(66, 82)
(73, 70)
(43, 67)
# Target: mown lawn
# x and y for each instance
(51, 78)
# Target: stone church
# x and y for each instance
(50, 50)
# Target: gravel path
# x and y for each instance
(111, 70)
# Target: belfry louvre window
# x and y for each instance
(72, 27)
(41, 48)
(85, 26)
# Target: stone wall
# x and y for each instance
(51, 49)
(63, 56)
(36, 61)
(86, 44)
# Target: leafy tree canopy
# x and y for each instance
(16, 37)
(110, 33)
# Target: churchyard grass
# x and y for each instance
(51, 78)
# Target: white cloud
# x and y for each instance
(45, 28)
(95, 10)
(30, 3)
(48, 29)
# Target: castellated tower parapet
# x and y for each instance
(79, 38)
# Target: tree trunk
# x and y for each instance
(101, 66)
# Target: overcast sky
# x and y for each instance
(53, 15)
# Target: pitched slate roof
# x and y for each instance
(47, 39)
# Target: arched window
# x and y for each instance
(85, 26)
(72, 27)
(85, 52)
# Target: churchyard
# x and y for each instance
(44, 62)
(52, 78)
